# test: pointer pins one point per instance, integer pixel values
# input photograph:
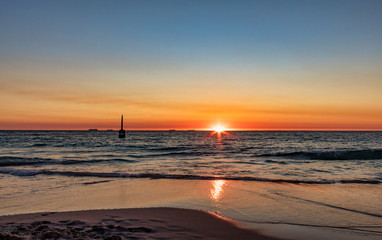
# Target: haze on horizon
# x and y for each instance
(260, 65)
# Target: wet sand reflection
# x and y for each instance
(217, 189)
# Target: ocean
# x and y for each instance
(304, 173)
(294, 157)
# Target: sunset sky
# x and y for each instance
(257, 65)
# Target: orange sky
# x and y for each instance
(57, 106)
(82, 98)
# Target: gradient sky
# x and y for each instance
(310, 64)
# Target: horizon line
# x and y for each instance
(207, 130)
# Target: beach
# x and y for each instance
(287, 211)
(143, 223)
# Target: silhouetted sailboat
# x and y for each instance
(122, 133)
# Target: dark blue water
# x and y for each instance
(295, 157)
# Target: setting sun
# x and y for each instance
(219, 128)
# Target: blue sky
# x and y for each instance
(171, 29)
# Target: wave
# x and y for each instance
(8, 161)
(165, 149)
(39, 145)
(20, 161)
(73, 162)
(171, 154)
(370, 154)
(277, 162)
(31, 172)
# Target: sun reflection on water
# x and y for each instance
(217, 189)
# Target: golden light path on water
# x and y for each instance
(217, 189)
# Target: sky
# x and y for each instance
(248, 65)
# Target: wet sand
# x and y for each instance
(137, 223)
(292, 211)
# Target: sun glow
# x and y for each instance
(219, 128)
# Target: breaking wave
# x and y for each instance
(31, 172)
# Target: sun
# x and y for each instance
(219, 128)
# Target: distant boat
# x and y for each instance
(122, 133)
(93, 130)
(109, 130)
(172, 130)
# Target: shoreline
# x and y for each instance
(158, 222)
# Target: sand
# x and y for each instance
(136, 223)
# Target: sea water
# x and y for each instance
(317, 179)
(295, 157)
